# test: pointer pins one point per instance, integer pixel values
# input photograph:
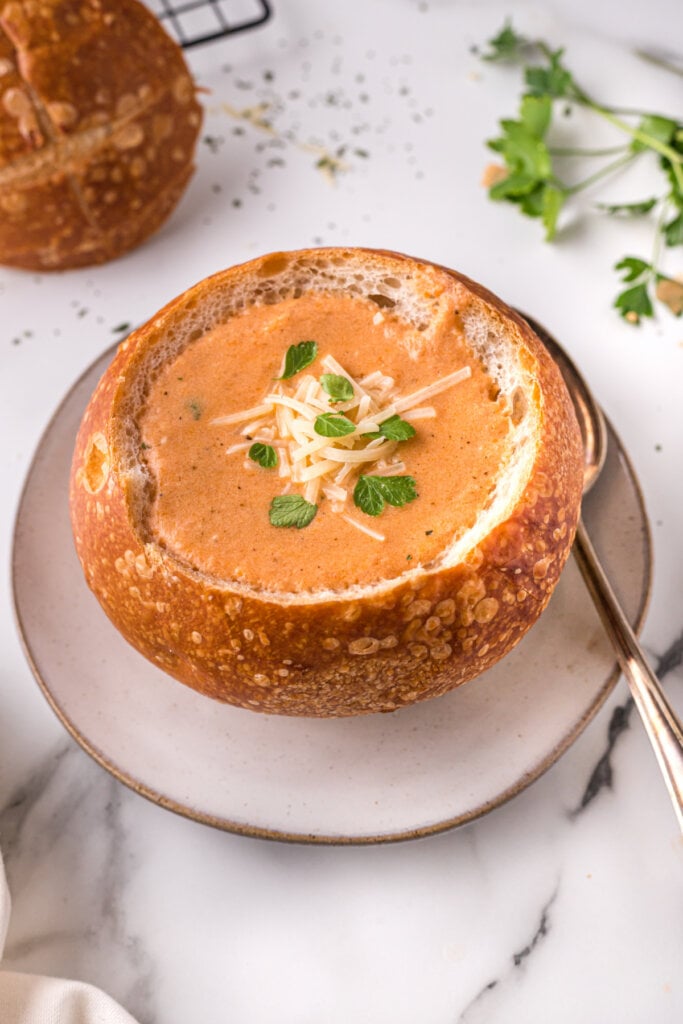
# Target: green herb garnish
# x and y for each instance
(532, 181)
(628, 209)
(332, 424)
(394, 429)
(298, 358)
(371, 493)
(264, 454)
(195, 408)
(291, 510)
(340, 389)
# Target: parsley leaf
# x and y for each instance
(633, 267)
(673, 231)
(371, 493)
(394, 429)
(530, 181)
(264, 454)
(535, 113)
(634, 303)
(339, 388)
(524, 152)
(656, 127)
(554, 80)
(291, 510)
(298, 358)
(628, 209)
(553, 201)
(530, 178)
(507, 45)
(330, 424)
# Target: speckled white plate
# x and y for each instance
(369, 779)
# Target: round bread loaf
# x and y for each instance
(98, 124)
(375, 598)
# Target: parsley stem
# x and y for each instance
(629, 111)
(607, 169)
(672, 155)
(660, 62)
(573, 151)
(657, 242)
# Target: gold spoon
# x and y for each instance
(661, 722)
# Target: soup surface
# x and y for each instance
(212, 502)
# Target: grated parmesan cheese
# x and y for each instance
(328, 466)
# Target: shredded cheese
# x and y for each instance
(362, 527)
(410, 401)
(329, 466)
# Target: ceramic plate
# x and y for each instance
(380, 777)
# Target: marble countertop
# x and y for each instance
(565, 902)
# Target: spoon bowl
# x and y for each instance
(588, 412)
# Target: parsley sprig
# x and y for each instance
(394, 429)
(298, 357)
(371, 493)
(339, 388)
(292, 510)
(531, 181)
(263, 454)
(330, 424)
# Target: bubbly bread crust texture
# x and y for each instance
(365, 649)
(98, 125)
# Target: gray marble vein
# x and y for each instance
(16, 810)
(69, 861)
(472, 1011)
(602, 776)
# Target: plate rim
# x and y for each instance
(303, 838)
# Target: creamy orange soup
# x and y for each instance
(212, 508)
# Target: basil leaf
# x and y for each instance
(340, 389)
(331, 424)
(291, 510)
(264, 454)
(298, 358)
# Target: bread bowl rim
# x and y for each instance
(175, 312)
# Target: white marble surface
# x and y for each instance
(565, 904)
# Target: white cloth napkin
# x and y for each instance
(31, 999)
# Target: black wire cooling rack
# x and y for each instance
(193, 22)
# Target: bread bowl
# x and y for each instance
(355, 609)
(98, 125)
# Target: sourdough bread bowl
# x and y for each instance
(338, 575)
(98, 125)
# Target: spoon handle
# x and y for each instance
(660, 720)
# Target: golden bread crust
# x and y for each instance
(98, 125)
(420, 637)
